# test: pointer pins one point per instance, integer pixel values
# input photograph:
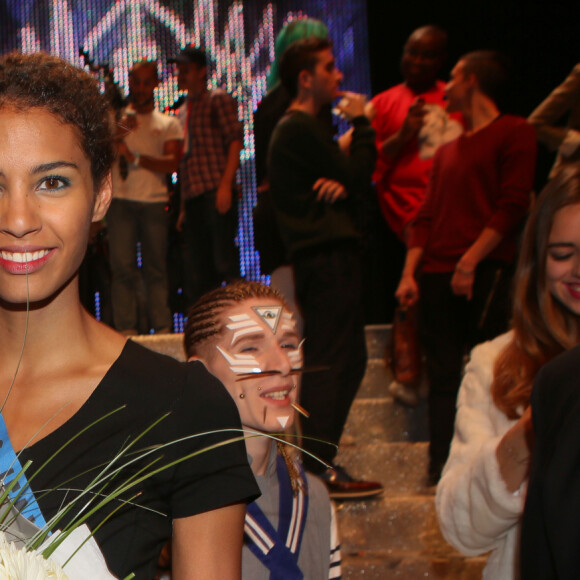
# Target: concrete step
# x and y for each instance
(400, 467)
(378, 336)
(394, 565)
(380, 420)
(405, 524)
(378, 377)
(376, 381)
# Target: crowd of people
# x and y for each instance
(207, 460)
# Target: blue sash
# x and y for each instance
(278, 550)
(21, 495)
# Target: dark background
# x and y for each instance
(541, 38)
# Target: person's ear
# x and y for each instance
(103, 199)
(304, 79)
(472, 81)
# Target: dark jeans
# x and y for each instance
(129, 222)
(450, 326)
(211, 255)
(329, 290)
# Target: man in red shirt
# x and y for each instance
(398, 115)
(410, 122)
(463, 238)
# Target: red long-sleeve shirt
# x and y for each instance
(478, 181)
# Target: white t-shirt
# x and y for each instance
(148, 138)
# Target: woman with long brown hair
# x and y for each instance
(480, 496)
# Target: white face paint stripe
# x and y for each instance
(288, 322)
(247, 365)
(238, 317)
(249, 357)
(295, 356)
(288, 327)
(250, 330)
(243, 324)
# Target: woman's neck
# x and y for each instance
(259, 449)
(56, 331)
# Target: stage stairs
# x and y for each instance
(395, 536)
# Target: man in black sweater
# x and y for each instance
(314, 186)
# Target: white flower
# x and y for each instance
(79, 555)
(18, 564)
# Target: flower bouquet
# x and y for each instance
(19, 560)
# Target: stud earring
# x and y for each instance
(242, 396)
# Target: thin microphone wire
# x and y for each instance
(23, 340)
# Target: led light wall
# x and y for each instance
(238, 36)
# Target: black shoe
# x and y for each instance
(342, 486)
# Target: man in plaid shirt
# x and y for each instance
(208, 212)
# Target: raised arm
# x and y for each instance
(560, 101)
(358, 163)
(166, 163)
(392, 146)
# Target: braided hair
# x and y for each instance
(203, 319)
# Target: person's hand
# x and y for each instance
(264, 186)
(351, 105)
(329, 190)
(223, 200)
(520, 437)
(407, 292)
(462, 282)
(514, 451)
(123, 150)
(129, 121)
(413, 121)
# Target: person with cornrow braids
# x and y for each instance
(247, 337)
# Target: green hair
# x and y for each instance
(291, 32)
